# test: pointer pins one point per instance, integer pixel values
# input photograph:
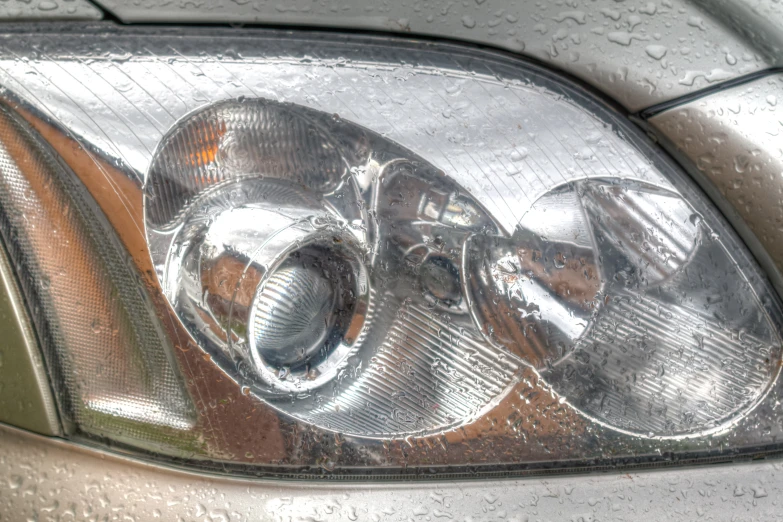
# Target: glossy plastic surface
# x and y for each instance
(350, 284)
(107, 360)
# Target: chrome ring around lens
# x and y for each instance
(326, 282)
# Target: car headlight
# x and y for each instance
(364, 256)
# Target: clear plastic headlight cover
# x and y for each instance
(364, 256)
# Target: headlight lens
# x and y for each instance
(108, 359)
(474, 264)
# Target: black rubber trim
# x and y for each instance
(649, 112)
(611, 465)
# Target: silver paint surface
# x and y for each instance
(48, 10)
(48, 479)
(733, 142)
(638, 52)
(25, 394)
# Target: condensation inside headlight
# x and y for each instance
(383, 257)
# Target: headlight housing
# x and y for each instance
(370, 257)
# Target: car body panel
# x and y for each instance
(50, 478)
(43, 10)
(732, 141)
(639, 53)
(26, 398)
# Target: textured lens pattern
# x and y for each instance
(108, 357)
(609, 289)
(653, 367)
(282, 145)
(425, 373)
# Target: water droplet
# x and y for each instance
(518, 154)
(718, 75)
(468, 21)
(714, 75)
(648, 9)
(540, 28)
(656, 51)
(610, 13)
(577, 16)
(15, 482)
(730, 59)
(741, 162)
(624, 38)
(47, 5)
(96, 326)
(490, 498)
(698, 22)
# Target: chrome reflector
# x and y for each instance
(302, 247)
